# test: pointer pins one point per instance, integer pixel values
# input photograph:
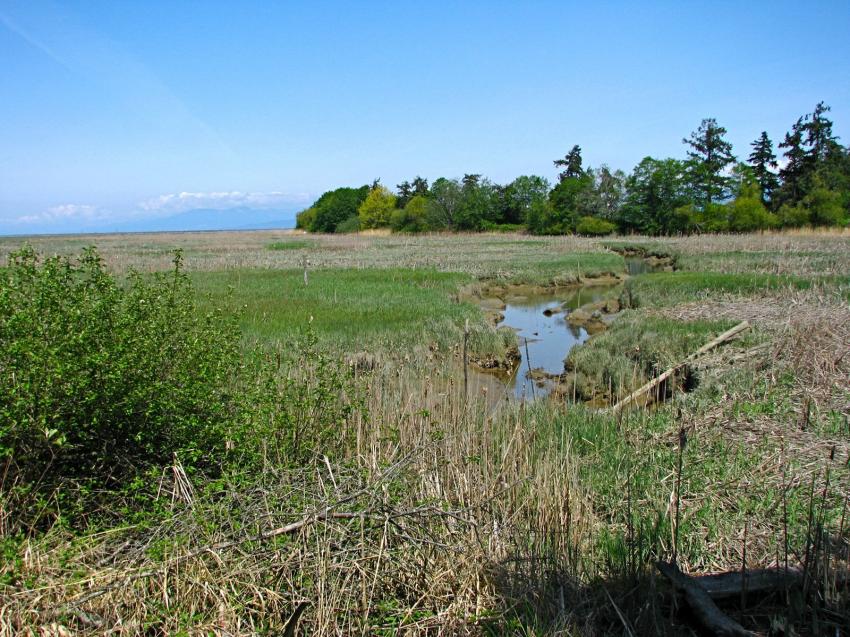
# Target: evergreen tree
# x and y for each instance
(571, 163)
(794, 171)
(420, 186)
(405, 194)
(819, 137)
(407, 190)
(471, 180)
(763, 162)
(709, 155)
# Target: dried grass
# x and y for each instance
(435, 525)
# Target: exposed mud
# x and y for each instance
(640, 260)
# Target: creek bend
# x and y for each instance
(545, 335)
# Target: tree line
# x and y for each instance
(709, 190)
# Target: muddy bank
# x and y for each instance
(641, 260)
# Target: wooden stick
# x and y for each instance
(655, 382)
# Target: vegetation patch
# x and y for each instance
(670, 288)
(392, 311)
(294, 244)
(634, 349)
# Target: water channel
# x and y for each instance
(544, 335)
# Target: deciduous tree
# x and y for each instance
(377, 208)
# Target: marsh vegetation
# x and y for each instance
(212, 446)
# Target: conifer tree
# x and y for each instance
(571, 163)
(763, 162)
(708, 156)
(819, 137)
(794, 171)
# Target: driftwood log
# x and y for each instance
(655, 382)
(756, 582)
(705, 610)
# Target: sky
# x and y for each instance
(119, 110)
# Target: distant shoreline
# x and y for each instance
(145, 232)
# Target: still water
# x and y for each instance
(545, 340)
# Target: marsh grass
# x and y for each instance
(472, 515)
(506, 257)
(390, 311)
(673, 288)
(635, 349)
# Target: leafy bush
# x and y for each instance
(748, 213)
(352, 224)
(489, 226)
(100, 379)
(413, 217)
(594, 226)
(306, 219)
(793, 216)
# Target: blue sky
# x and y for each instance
(135, 110)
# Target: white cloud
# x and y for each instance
(65, 212)
(182, 201)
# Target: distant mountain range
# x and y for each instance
(209, 219)
(191, 220)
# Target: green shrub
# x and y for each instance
(101, 379)
(352, 224)
(793, 216)
(306, 219)
(748, 213)
(489, 226)
(594, 226)
(413, 217)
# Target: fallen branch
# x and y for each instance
(655, 382)
(705, 610)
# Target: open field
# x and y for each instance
(425, 510)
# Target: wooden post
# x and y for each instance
(466, 360)
(530, 377)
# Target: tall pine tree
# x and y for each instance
(571, 163)
(819, 137)
(793, 173)
(708, 157)
(763, 163)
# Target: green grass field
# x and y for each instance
(350, 310)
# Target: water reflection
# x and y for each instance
(642, 265)
(545, 337)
